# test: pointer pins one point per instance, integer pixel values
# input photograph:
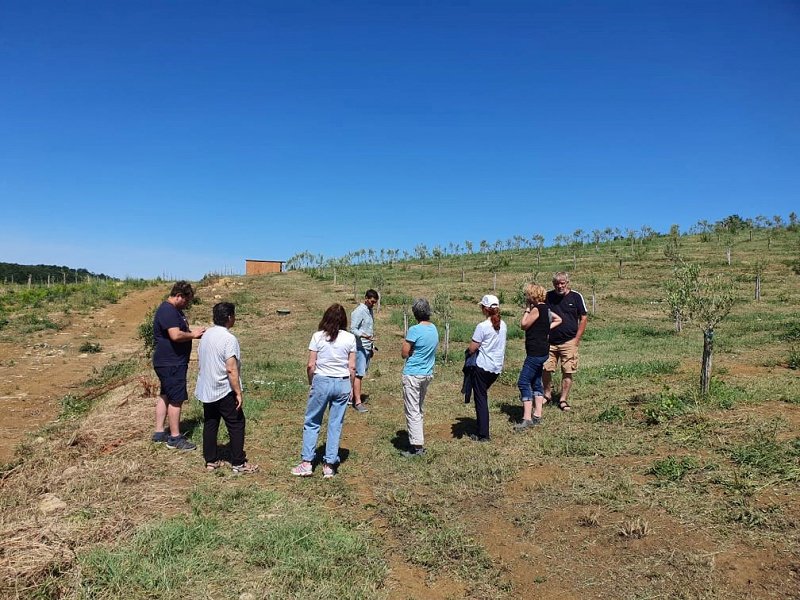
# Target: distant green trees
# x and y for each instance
(16, 273)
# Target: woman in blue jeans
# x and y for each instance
(537, 321)
(331, 369)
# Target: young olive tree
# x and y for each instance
(443, 306)
(708, 300)
(759, 269)
(594, 283)
(494, 263)
(379, 283)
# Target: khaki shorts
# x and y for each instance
(567, 353)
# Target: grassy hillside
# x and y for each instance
(646, 489)
(28, 309)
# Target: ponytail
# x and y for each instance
(494, 314)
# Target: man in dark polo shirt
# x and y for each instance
(564, 339)
(173, 346)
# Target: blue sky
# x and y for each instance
(178, 138)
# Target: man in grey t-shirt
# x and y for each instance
(219, 388)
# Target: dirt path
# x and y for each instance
(37, 373)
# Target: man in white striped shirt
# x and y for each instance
(219, 388)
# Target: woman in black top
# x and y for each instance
(537, 321)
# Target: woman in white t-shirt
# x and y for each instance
(331, 369)
(489, 341)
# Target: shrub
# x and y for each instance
(613, 414)
(793, 362)
(396, 300)
(30, 323)
(90, 347)
(74, 406)
(145, 333)
(792, 333)
(663, 407)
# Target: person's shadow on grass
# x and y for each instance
(463, 427)
(512, 411)
(344, 454)
(189, 426)
(400, 440)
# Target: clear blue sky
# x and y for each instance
(152, 137)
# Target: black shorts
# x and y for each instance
(173, 383)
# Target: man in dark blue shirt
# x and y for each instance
(564, 339)
(172, 347)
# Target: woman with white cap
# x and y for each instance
(489, 341)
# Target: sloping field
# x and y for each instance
(644, 490)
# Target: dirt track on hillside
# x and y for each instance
(37, 373)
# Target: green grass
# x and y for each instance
(113, 372)
(433, 541)
(672, 468)
(643, 369)
(766, 456)
(226, 539)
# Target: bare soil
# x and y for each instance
(36, 373)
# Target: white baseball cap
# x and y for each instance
(490, 301)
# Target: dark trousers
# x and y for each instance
(481, 382)
(224, 408)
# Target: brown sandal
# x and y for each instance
(213, 466)
(564, 405)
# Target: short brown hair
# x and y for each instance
(182, 288)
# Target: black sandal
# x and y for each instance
(564, 405)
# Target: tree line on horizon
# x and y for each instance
(729, 226)
(17, 273)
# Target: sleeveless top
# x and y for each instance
(537, 335)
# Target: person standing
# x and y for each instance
(489, 341)
(536, 322)
(172, 348)
(419, 352)
(219, 388)
(331, 371)
(566, 338)
(362, 326)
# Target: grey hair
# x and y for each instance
(560, 275)
(421, 309)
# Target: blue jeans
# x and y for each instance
(530, 377)
(324, 392)
(362, 361)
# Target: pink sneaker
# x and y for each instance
(327, 471)
(304, 469)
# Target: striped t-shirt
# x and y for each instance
(216, 346)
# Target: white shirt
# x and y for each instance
(216, 346)
(332, 357)
(492, 350)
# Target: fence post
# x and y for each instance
(446, 340)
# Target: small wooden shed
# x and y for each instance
(260, 267)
